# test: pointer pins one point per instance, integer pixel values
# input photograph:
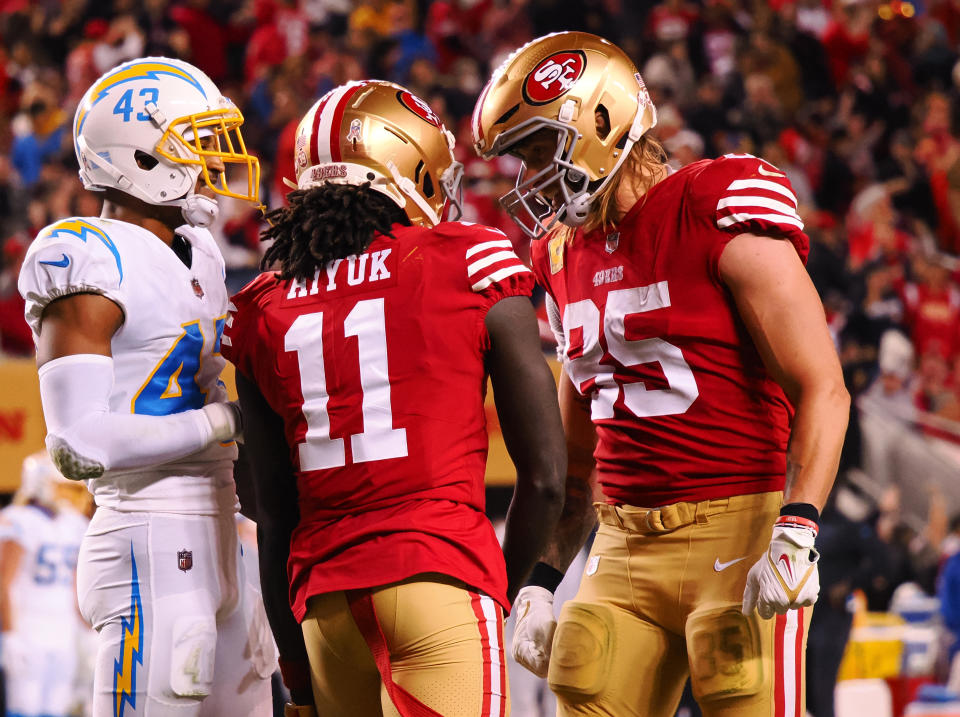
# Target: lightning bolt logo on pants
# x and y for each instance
(131, 649)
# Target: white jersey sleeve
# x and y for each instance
(15, 525)
(72, 256)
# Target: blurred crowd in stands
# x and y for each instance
(857, 101)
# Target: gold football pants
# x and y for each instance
(423, 647)
(660, 601)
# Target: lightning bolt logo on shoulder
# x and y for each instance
(83, 230)
(131, 649)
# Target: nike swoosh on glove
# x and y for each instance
(533, 633)
(786, 577)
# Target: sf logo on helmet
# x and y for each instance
(420, 108)
(553, 76)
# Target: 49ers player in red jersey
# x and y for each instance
(693, 338)
(362, 365)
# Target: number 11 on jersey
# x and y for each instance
(379, 440)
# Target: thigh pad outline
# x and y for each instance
(583, 647)
(723, 647)
(192, 656)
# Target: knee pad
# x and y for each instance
(723, 647)
(192, 655)
(582, 649)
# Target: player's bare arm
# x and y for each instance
(781, 309)
(11, 554)
(533, 635)
(578, 517)
(275, 495)
(78, 324)
(526, 403)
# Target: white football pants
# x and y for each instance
(181, 631)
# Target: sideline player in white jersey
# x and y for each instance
(127, 310)
(39, 539)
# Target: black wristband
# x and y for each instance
(545, 576)
(801, 510)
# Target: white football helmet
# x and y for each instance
(37, 478)
(139, 128)
(41, 482)
(378, 132)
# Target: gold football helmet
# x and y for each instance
(378, 132)
(585, 89)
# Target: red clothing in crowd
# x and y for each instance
(933, 316)
(15, 336)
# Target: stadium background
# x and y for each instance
(855, 100)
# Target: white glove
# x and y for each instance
(225, 420)
(786, 577)
(533, 633)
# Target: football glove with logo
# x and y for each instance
(786, 577)
(533, 633)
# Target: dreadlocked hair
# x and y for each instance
(325, 223)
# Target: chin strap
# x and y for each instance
(199, 210)
(578, 208)
(407, 186)
(123, 183)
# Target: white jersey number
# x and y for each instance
(584, 362)
(379, 440)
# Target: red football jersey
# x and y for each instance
(683, 406)
(376, 366)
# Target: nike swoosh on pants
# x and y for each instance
(719, 567)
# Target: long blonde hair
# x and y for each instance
(640, 167)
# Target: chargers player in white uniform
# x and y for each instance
(39, 539)
(127, 310)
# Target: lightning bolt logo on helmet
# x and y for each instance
(131, 649)
(129, 73)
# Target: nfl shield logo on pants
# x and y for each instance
(185, 560)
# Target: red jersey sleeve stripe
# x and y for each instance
(498, 275)
(739, 200)
(762, 184)
(489, 259)
(745, 218)
(485, 246)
